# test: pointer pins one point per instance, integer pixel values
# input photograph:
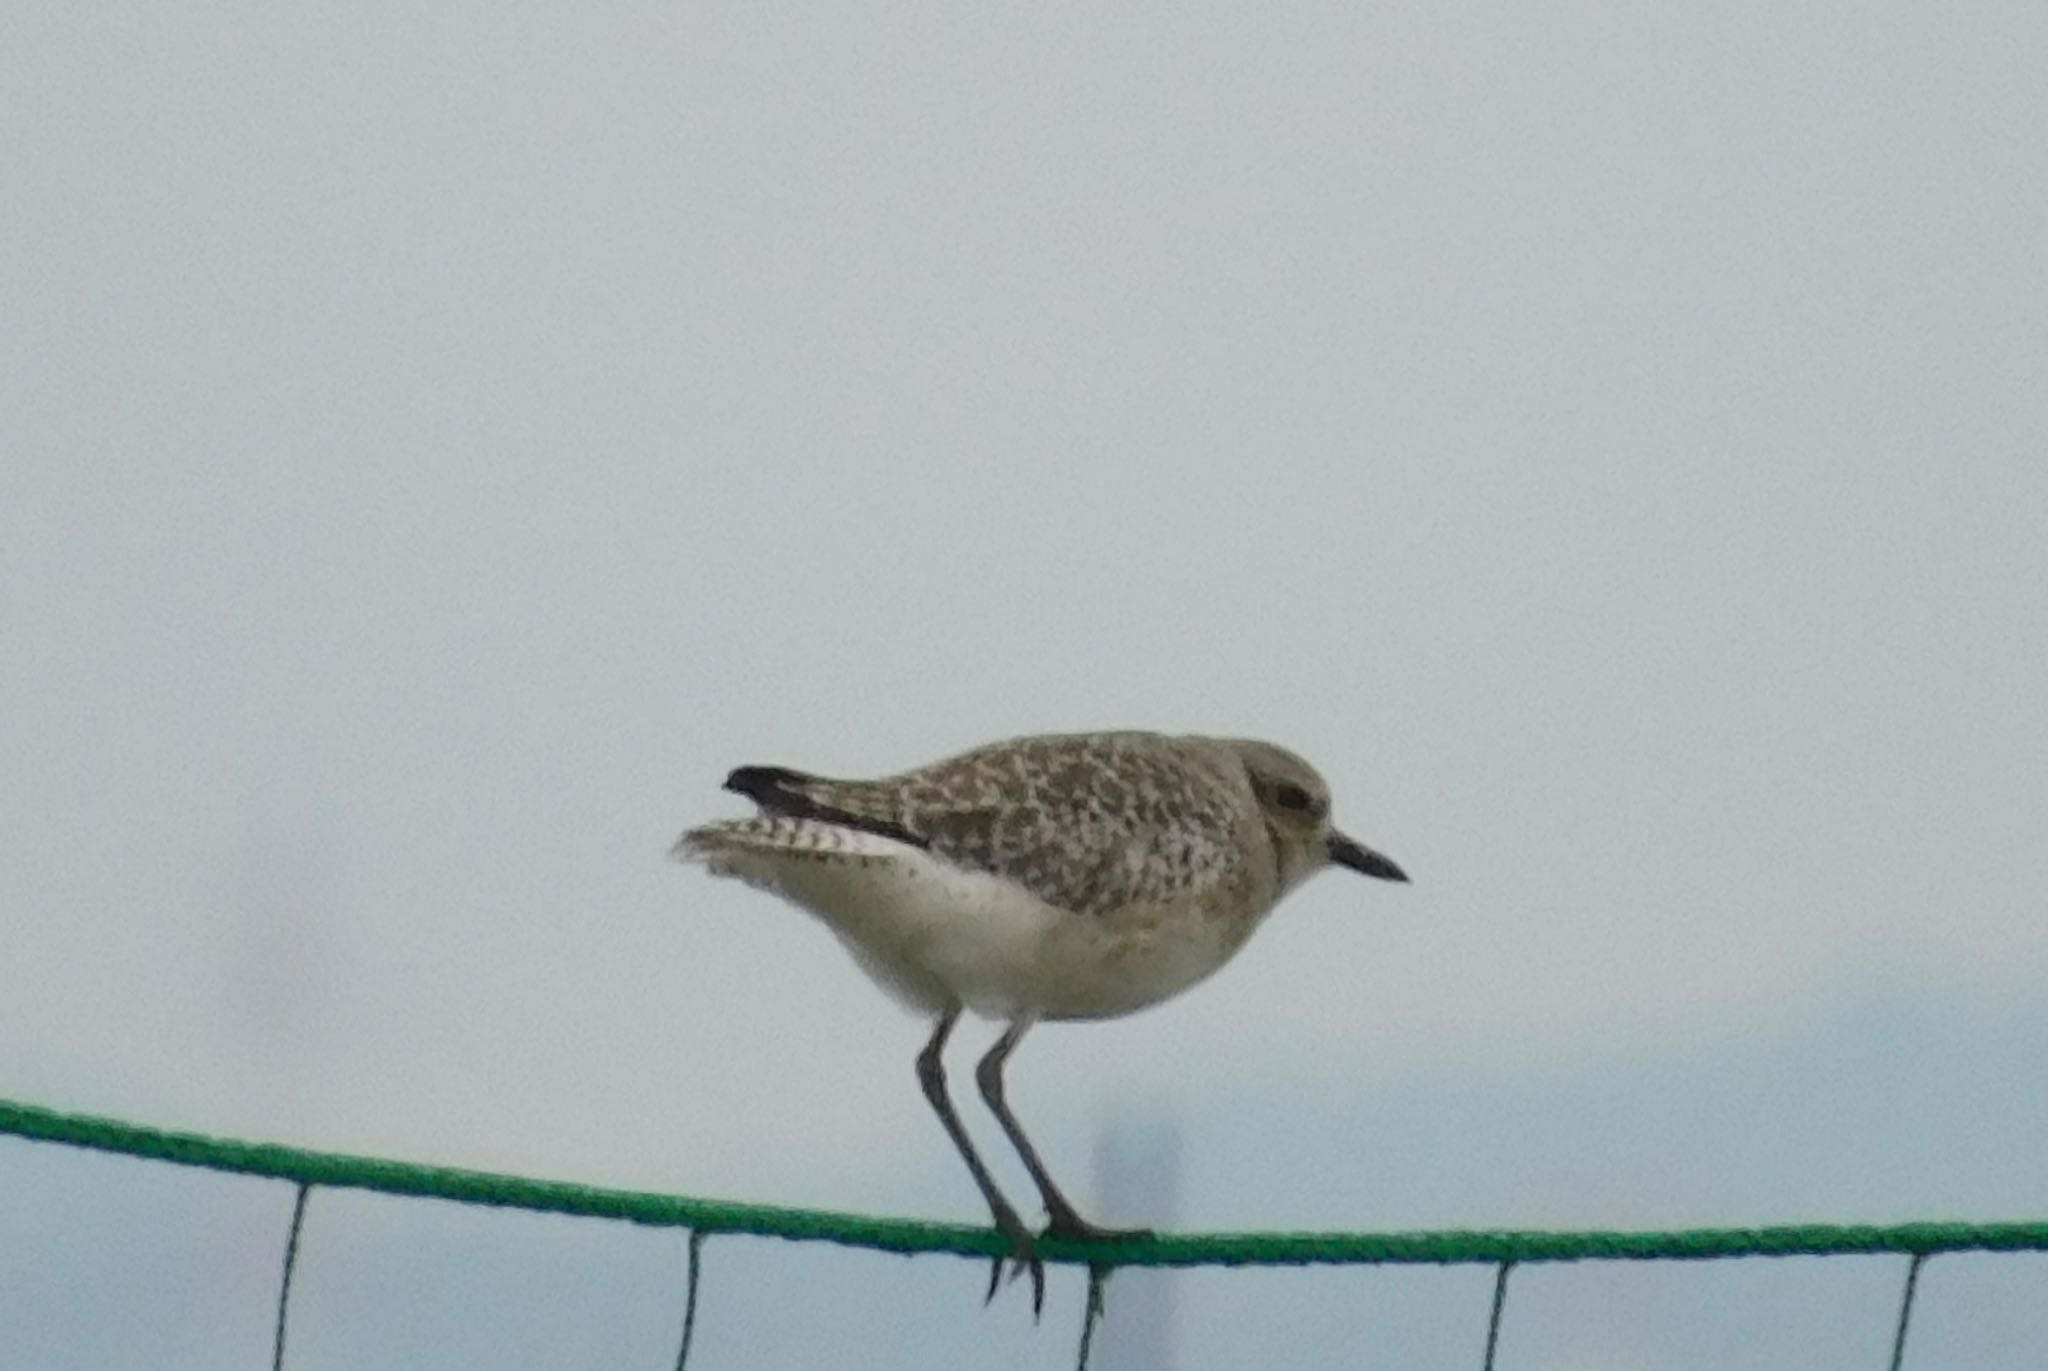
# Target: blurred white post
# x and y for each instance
(1137, 1184)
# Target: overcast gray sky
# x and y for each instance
(436, 444)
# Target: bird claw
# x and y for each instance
(1019, 1266)
(1023, 1258)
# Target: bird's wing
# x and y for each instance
(797, 795)
(1086, 823)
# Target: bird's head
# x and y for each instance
(1295, 803)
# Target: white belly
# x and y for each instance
(931, 933)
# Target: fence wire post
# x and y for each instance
(1500, 1299)
(291, 1260)
(1906, 1309)
(696, 1255)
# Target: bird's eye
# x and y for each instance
(1290, 796)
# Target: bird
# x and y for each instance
(1056, 877)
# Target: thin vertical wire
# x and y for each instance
(1906, 1309)
(1098, 1281)
(284, 1285)
(690, 1298)
(1500, 1299)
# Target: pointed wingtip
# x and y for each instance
(764, 784)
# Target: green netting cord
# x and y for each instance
(704, 1216)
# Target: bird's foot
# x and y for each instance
(1065, 1223)
(1023, 1256)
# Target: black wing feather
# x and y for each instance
(779, 790)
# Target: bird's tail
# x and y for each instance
(735, 847)
(696, 845)
(776, 789)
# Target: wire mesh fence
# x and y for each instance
(1504, 1250)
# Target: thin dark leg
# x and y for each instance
(1065, 1221)
(931, 1074)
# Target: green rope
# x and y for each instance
(909, 1236)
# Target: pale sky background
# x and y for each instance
(437, 443)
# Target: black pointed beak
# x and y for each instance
(1359, 857)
